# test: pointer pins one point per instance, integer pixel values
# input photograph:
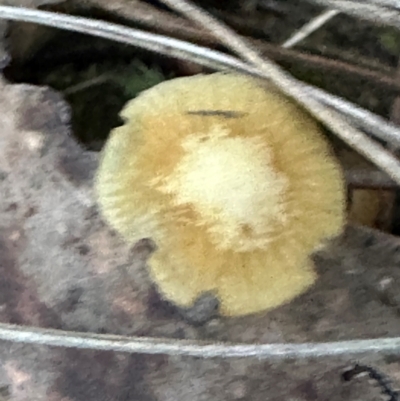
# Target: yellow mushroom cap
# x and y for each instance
(235, 183)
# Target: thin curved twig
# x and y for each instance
(164, 346)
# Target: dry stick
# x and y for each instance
(365, 11)
(187, 51)
(148, 345)
(309, 28)
(353, 137)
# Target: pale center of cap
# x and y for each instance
(232, 185)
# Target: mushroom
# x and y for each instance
(234, 182)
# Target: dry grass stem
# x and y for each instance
(366, 10)
(147, 345)
(311, 26)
